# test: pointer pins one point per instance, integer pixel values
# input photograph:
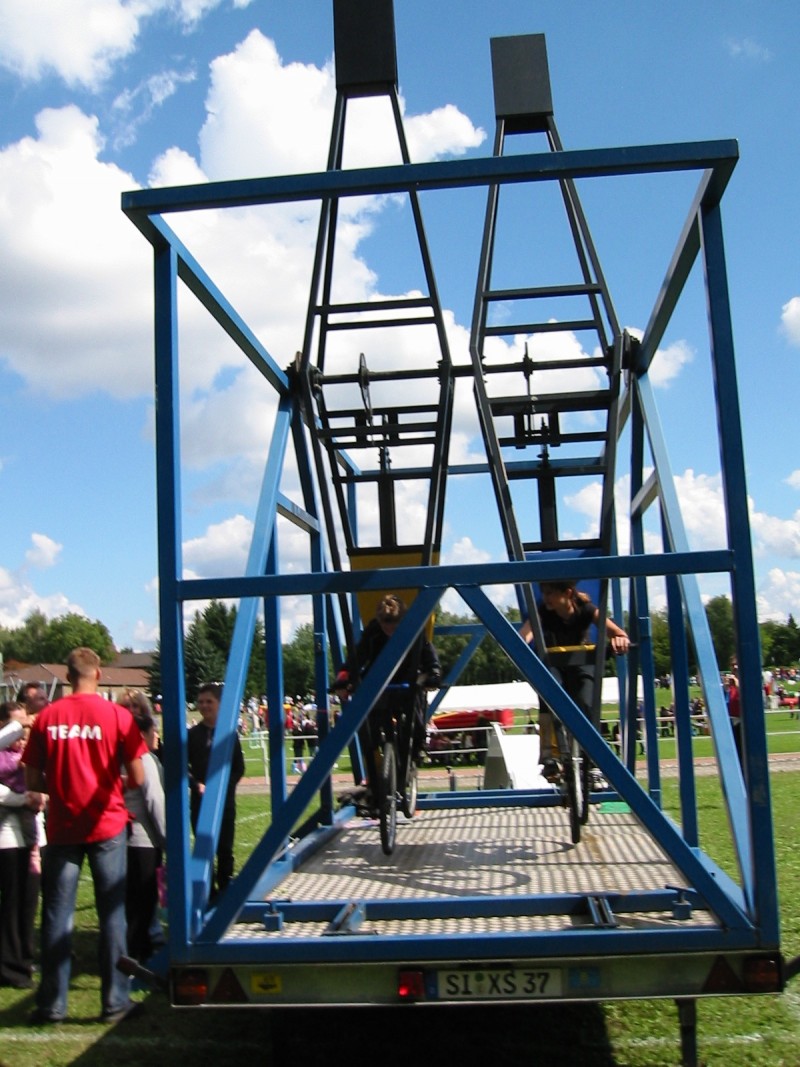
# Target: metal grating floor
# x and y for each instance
(496, 852)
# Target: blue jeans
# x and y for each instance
(108, 862)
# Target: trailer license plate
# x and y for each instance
(501, 983)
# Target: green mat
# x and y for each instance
(611, 807)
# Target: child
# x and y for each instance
(566, 616)
(12, 774)
(19, 880)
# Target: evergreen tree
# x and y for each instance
(719, 612)
(298, 661)
(206, 649)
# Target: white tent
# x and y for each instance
(510, 695)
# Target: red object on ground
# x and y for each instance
(469, 720)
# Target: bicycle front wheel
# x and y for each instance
(583, 775)
(576, 773)
(388, 800)
(410, 792)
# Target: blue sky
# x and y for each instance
(102, 96)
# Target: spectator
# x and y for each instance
(298, 744)
(199, 747)
(734, 702)
(147, 834)
(18, 838)
(73, 754)
(33, 697)
(137, 703)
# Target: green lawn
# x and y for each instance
(740, 1032)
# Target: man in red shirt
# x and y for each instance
(75, 754)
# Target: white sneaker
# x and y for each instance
(597, 782)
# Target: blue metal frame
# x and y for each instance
(747, 912)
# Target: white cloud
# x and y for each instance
(441, 132)
(668, 362)
(793, 480)
(464, 551)
(778, 595)
(45, 551)
(747, 48)
(702, 506)
(80, 275)
(134, 107)
(775, 537)
(192, 11)
(701, 501)
(18, 599)
(77, 307)
(81, 40)
(790, 320)
(267, 117)
(249, 129)
(145, 635)
(222, 550)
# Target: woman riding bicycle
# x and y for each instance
(421, 659)
(567, 615)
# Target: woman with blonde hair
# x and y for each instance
(137, 703)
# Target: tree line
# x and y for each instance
(43, 640)
(209, 635)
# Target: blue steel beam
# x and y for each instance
(731, 778)
(718, 156)
(170, 569)
(683, 715)
(501, 573)
(574, 942)
(213, 803)
(212, 299)
(734, 487)
(396, 908)
(321, 767)
(729, 908)
(476, 636)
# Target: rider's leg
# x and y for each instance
(548, 744)
(418, 725)
(579, 683)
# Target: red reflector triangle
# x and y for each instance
(721, 979)
(228, 990)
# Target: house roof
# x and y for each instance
(47, 673)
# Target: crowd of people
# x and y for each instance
(81, 780)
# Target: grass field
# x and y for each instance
(734, 1032)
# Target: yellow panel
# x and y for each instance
(371, 559)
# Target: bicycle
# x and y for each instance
(572, 777)
(388, 738)
(393, 762)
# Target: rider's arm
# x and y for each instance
(617, 638)
(429, 666)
